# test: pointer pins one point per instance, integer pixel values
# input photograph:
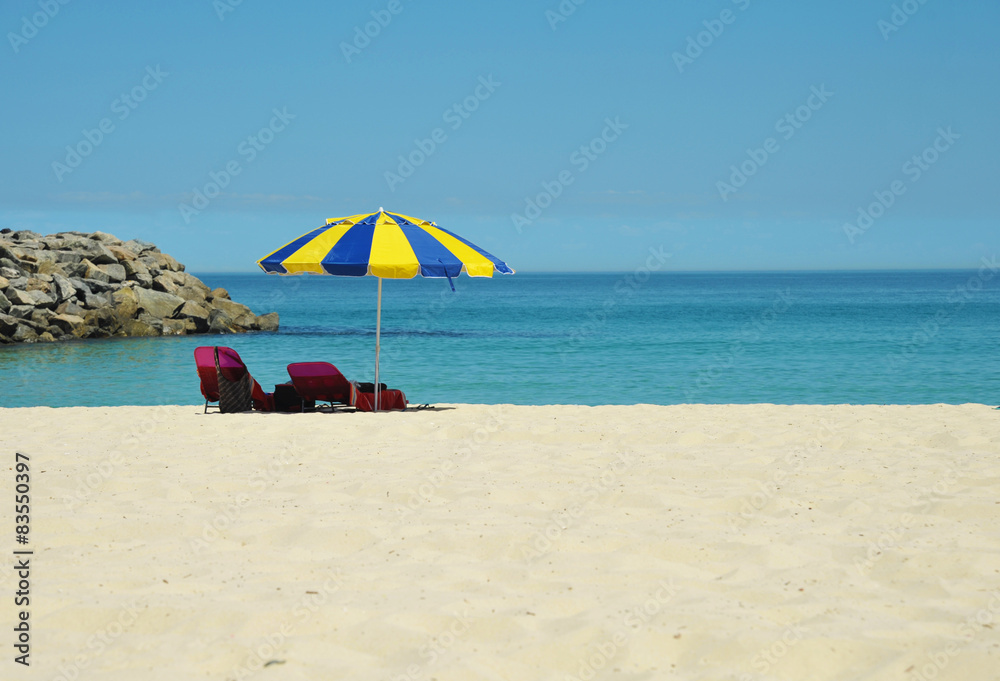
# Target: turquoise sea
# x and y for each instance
(667, 338)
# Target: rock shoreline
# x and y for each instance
(76, 285)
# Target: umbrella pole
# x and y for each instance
(378, 334)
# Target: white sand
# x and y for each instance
(687, 542)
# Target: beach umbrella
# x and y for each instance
(384, 245)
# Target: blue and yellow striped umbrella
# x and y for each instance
(385, 245)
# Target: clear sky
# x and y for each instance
(733, 134)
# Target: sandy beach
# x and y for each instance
(503, 542)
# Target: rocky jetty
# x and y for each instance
(76, 285)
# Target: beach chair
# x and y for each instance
(233, 372)
(321, 382)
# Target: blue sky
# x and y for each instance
(734, 134)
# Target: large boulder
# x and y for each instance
(161, 261)
(70, 307)
(90, 249)
(24, 334)
(105, 238)
(135, 327)
(138, 246)
(11, 269)
(115, 272)
(38, 284)
(166, 283)
(42, 316)
(5, 303)
(174, 327)
(66, 258)
(80, 285)
(220, 322)
(197, 314)
(189, 281)
(126, 302)
(95, 301)
(21, 311)
(157, 303)
(64, 288)
(268, 322)
(233, 309)
(9, 252)
(36, 255)
(8, 324)
(33, 298)
(51, 268)
(121, 253)
(103, 322)
(137, 271)
(89, 270)
(69, 323)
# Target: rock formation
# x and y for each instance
(76, 285)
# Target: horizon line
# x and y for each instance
(660, 272)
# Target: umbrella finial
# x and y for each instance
(381, 209)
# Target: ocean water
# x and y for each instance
(787, 338)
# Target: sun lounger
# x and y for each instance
(321, 382)
(218, 363)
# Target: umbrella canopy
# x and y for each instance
(385, 245)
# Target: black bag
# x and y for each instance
(287, 399)
(369, 387)
(234, 396)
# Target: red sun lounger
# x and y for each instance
(233, 370)
(321, 382)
